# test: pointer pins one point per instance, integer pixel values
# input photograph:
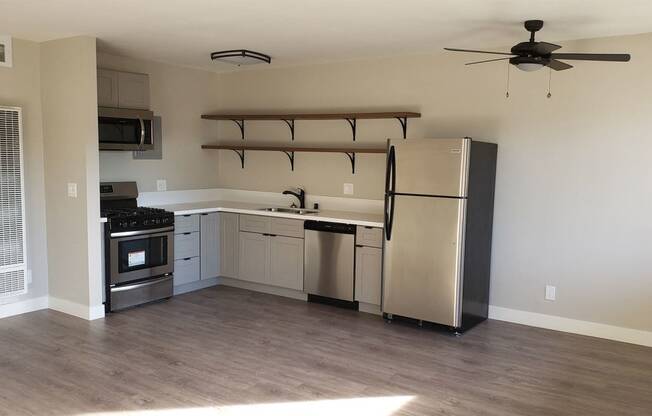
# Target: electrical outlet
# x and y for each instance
(348, 189)
(551, 292)
(72, 190)
(161, 185)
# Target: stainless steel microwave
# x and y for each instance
(122, 129)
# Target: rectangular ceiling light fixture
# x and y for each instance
(241, 57)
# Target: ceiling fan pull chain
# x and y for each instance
(507, 92)
(549, 82)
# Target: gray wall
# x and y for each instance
(572, 198)
(69, 100)
(179, 96)
(20, 86)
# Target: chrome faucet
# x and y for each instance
(300, 194)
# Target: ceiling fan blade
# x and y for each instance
(558, 65)
(488, 60)
(544, 48)
(473, 51)
(607, 57)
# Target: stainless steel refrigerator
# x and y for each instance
(439, 198)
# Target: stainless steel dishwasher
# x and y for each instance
(329, 260)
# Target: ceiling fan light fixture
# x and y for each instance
(241, 57)
(529, 67)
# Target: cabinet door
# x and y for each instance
(253, 257)
(133, 90)
(286, 262)
(107, 88)
(229, 234)
(210, 245)
(368, 274)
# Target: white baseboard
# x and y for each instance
(95, 312)
(256, 287)
(75, 309)
(557, 323)
(18, 308)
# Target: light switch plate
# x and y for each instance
(348, 189)
(72, 190)
(551, 292)
(161, 185)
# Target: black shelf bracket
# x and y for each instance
(351, 156)
(403, 121)
(353, 124)
(241, 125)
(241, 155)
(290, 124)
(290, 156)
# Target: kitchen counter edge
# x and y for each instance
(344, 217)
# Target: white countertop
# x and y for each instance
(357, 218)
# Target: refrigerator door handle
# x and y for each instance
(389, 192)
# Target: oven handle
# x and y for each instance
(139, 285)
(142, 133)
(141, 232)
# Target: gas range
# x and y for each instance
(139, 248)
(138, 218)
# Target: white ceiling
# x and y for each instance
(308, 31)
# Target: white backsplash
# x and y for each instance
(372, 206)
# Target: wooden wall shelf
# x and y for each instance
(289, 118)
(290, 150)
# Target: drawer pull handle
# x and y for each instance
(187, 233)
(187, 258)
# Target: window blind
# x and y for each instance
(12, 216)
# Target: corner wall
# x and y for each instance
(69, 101)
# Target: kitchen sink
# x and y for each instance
(300, 211)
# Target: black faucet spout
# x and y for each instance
(300, 195)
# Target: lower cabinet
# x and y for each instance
(368, 272)
(229, 236)
(209, 230)
(271, 260)
(254, 257)
(286, 262)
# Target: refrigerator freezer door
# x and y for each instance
(423, 260)
(431, 166)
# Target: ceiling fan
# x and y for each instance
(531, 55)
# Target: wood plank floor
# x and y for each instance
(224, 346)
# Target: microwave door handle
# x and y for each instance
(142, 132)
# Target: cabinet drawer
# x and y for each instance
(255, 224)
(186, 271)
(186, 245)
(186, 224)
(287, 227)
(369, 236)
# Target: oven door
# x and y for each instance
(125, 129)
(137, 255)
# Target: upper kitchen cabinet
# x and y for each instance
(119, 89)
(107, 88)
